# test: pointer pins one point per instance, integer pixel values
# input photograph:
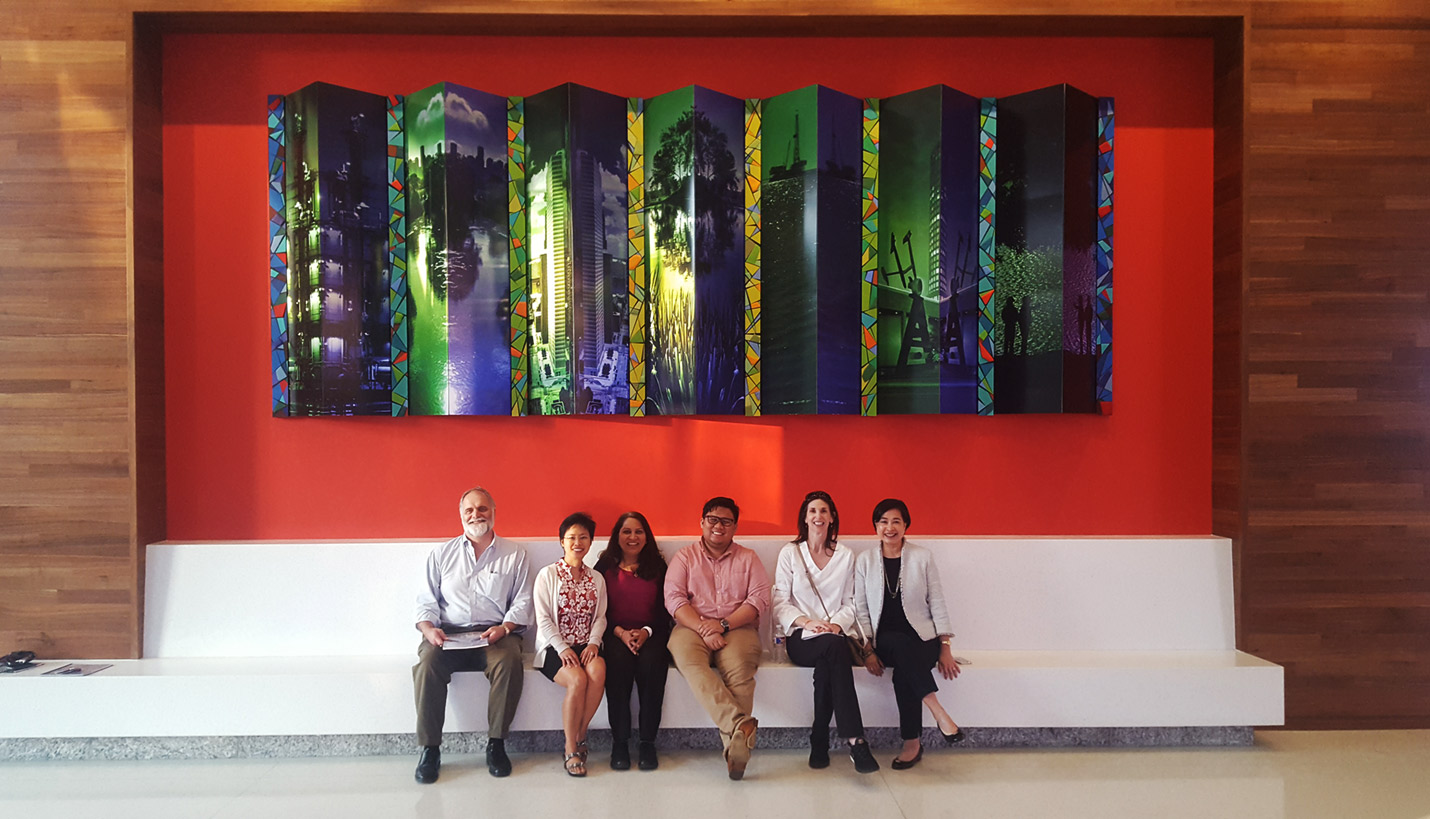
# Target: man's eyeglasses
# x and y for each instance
(714, 520)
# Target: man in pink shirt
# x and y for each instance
(716, 590)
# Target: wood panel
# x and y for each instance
(1336, 558)
(1319, 413)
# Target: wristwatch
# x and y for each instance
(724, 626)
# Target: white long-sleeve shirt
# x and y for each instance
(464, 590)
(794, 597)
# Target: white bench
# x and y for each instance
(316, 638)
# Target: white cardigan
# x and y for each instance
(548, 633)
(922, 593)
(793, 596)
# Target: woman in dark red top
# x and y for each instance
(637, 627)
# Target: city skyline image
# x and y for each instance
(340, 341)
(810, 266)
(578, 283)
(458, 267)
(928, 257)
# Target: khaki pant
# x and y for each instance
(502, 663)
(723, 681)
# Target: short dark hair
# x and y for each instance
(895, 504)
(803, 522)
(728, 503)
(577, 519)
(650, 565)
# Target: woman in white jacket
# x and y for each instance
(899, 600)
(570, 603)
(813, 598)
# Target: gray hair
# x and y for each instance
(477, 489)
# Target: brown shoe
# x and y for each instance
(737, 754)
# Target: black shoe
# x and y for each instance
(497, 762)
(904, 765)
(428, 763)
(955, 737)
(818, 754)
(864, 761)
(620, 756)
(646, 759)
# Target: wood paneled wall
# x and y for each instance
(1322, 250)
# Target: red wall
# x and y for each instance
(235, 472)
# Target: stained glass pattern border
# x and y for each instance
(278, 254)
(987, 237)
(519, 252)
(754, 116)
(1106, 111)
(397, 252)
(636, 250)
(869, 266)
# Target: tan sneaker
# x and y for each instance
(737, 753)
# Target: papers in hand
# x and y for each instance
(467, 639)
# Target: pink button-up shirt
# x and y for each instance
(716, 587)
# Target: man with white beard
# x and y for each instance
(477, 586)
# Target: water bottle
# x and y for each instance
(778, 652)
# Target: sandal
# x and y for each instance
(574, 764)
(583, 750)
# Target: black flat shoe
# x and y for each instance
(646, 759)
(620, 756)
(864, 761)
(818, 756)
(428, 764)
(497, 762)
(904, 765)
(955, 737)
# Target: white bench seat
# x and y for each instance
(1062, 633)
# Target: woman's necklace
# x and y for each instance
(894, 591)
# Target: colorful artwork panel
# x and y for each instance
(519, 253)
(577, 219)
(869, 267)
(397, 253)
(695, 215)
(1106, 116)
(339, 313)
(987, 249)
(459, 268)
(1046, 256)
(811, 218)
(754, 169)
(928, 293)
(278, 254)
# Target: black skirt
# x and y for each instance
(552, 663)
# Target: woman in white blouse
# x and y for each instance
(570, 603)
(899, 599)
(814, 608)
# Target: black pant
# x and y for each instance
(912, 660)
(647, 670)
(828, 655)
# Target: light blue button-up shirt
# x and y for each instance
(463, 590)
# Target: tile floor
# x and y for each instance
(1298, 775)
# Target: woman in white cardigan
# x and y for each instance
(813, 598)
(570, 603)
(898, 599)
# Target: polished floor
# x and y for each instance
(1299, 775)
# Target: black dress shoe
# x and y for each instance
(864, 761)
(428, 763)
(905, 764)
(955, 737)
(620, 756)
(818, 755)
(646, 759)
(497, 762)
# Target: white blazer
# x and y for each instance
(548, 632)
(922, 594)
(793, 596)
